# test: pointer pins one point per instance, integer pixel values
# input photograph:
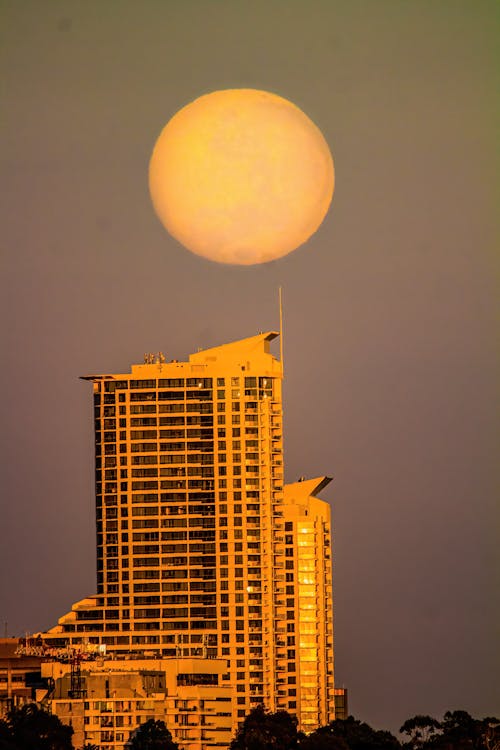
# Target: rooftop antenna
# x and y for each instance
(281, 326)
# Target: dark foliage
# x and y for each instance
(322, 741)
(32, 728)
(263, 730)
(457, 731)
(354, 734)
(419, 730)
(152, 735)
(6, 741)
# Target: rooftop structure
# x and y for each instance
(20, 675)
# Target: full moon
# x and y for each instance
(241, 176)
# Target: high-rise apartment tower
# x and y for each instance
(201, 551)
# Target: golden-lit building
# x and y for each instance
(20, 675)
(309, 597)
(116, 696)
(201, 551)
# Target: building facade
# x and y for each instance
(20, 675)
(201, 551)
(117, 696)
(309, 598)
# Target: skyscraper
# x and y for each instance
(200, 549)
(309, 589)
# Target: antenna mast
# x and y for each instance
(281, 326)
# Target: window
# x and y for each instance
(171, 383)
(197, 679)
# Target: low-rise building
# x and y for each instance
(19, 675)
(106, 700)
(341, 704)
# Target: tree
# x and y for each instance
(355, 735)
(263, 730)
(457, 731)
(419, 729)
(459, 728)
(32, 728)
(460, 731)
(491, 733)
(152, 735)
(6, 741)
(322, 741)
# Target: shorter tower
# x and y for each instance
(308, 573)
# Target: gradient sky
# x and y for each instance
(389, 309)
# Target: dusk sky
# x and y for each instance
(389, 309)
